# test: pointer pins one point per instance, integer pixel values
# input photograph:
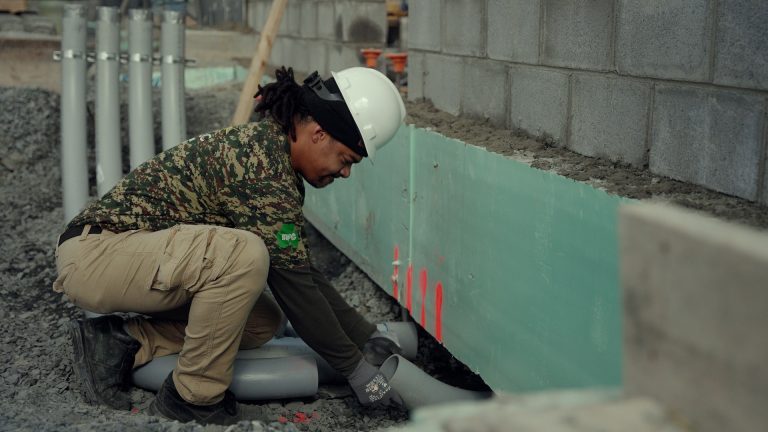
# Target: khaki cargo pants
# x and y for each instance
(200, 285)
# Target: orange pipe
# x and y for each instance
(371, 56)
(398, 61)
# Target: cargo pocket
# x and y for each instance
(182, 261)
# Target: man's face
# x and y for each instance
(327, 160)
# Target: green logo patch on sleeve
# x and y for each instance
(287, 236)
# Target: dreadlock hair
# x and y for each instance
(282, 101)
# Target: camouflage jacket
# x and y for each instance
(239, 177)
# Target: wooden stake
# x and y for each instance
(259, 63)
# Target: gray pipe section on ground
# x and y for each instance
(74, 165)
(141, 133)
(252, 379)
(172, 60)
(289, 346)
(406, 333)
(109, 167)
(418, 389)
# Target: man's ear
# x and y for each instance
(318, 133)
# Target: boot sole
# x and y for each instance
(80, 364)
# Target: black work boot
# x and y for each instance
(169, 404)
(103, 360)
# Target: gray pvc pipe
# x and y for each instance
(405, 331)
(74, 165)
(252, 379)
(141, 133)
(172, 59)
(418, 389)
(289, 346)
(109, 167)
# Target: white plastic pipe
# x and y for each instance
(74, 165)
(109, 167)
(418, 389)
(252, 379)
(172, 59)
(140, 125)
(407, 336)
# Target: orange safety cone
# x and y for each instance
(371, 56)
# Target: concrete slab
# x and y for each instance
(664, 39)
(442, 76)
(424, 25)
(26, 61)
(547, 412)
(415, 75)
(695, 300)
(484, 81)
(709, 137)
(362, 22)
(308, 19)
(741, 53)
(539, 102)
(212, 47)
(609, 118)
(513, 30)
(464, 27)
(326, 21)
(578, 33)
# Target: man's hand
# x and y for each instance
(371, 386)
(381, 345)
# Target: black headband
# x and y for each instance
(325, 102)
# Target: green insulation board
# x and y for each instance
(513, 269)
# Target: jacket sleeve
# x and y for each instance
(357, 328)
(313, 317)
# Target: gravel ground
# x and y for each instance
(37, 387)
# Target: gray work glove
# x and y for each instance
(371, 386)
(381, 345)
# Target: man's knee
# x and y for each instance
(248, 264)
(262, 325)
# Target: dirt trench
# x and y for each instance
(37, 386)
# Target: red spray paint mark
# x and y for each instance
(439, 312)
(423, 287)
(396, 274)
(409, 288)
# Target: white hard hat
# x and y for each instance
(374, 102)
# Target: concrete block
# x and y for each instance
(464, 27)
(443, 76)
(578, 33)
(326, 21)
(709, 137)
(317, 51)
(539, 101)
(695, 301)
(513, 30)
(609, 118)
(484, 81)
(291, 22)
(741, 53)
(424, 25)
(342, 56)
(308, 19)
(415, 75)
(362, 22)
(664, 39)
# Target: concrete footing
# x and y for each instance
(695, 313)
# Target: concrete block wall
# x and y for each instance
(678, 87)
(322, 35)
